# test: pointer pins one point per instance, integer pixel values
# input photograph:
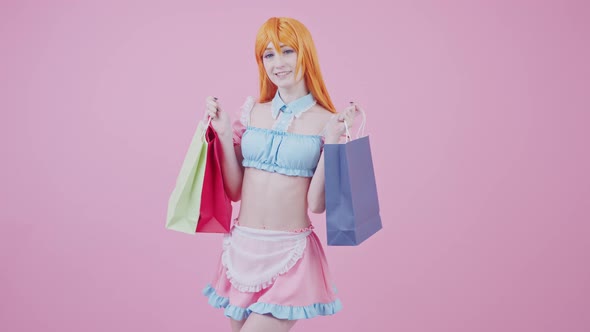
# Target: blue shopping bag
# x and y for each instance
(352, 205)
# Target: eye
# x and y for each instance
(288, 51)
(268, 55)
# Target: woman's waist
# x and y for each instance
(262, 205)
(267, 234)
(273, 203)
(282, 222)
(260, 183)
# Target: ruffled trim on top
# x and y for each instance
(276, 310)
(239, 126)
(277, 169)
(246, 109)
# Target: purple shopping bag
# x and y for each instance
(352, 205)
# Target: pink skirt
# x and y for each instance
(284, 274)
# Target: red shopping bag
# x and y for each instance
(216, 209)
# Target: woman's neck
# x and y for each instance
(293, 93)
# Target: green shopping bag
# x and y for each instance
(185, 201)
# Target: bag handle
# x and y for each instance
(360, 131)
(205, 130)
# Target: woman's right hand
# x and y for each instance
(337, 126)
(220, 120)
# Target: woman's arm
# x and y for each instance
(231, 167)
(231, 156)
(316, 192)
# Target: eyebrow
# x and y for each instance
(270, 49)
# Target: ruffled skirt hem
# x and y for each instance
(278, 311)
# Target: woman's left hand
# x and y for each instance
(337, 128)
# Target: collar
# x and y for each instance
(297, 107)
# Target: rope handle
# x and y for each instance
(205, 129)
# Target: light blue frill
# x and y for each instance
(278, 169)
(278, 311)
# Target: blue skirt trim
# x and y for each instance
(278, 311)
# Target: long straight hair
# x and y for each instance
(294, 34)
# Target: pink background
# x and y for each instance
(478, 118)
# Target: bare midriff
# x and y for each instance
(273, 201)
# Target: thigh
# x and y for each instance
(236, 325)
(266, 323)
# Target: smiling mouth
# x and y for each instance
(283, 73)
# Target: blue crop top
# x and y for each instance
(276, 149)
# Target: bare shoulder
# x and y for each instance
(260, 115)
(261, 106)
(320, 114)
(314, 120)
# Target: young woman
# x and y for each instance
(273, 270)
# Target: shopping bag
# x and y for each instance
(216, 209)
(352, 205)
(185, 201)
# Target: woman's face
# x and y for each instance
(280, 66)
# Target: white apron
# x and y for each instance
(254, 258)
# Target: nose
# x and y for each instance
(278, 60)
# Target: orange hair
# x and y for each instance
(293, 34)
